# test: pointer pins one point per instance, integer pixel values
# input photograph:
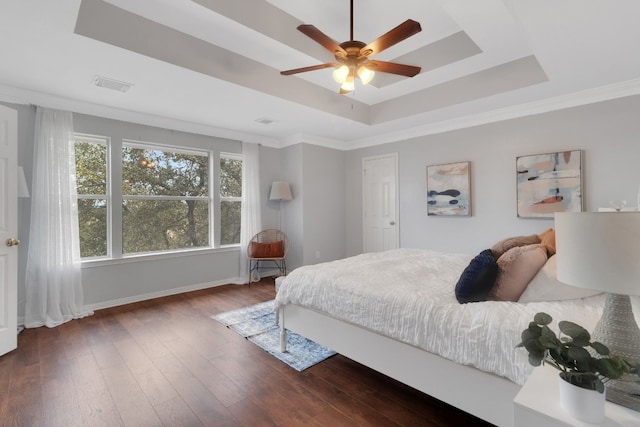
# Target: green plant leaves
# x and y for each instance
(578, 334)
(542, 319)
(600, 348)
(568, 353)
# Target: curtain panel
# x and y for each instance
(250, 222)
(53, 277)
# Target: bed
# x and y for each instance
(396, 312)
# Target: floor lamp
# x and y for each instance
(280, 190)
(601, 251)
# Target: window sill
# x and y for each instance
(89, 263)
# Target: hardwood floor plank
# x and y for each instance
(197, 397)
(97, 407)
(167, 362)
(250, 415)
(225, 390)
(175, 412)
(132, 404)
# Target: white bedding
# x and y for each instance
(408, 295)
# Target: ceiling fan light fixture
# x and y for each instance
(348, 86)
(365, 74)
(341, 73)
(352, 56)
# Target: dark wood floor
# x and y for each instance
(166, 362)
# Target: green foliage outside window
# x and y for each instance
(170, 209)
(230, 200)
(91, 181)
(166, 198)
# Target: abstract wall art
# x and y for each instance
(449, 189)
(549, 183)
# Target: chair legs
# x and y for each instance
(255, 268)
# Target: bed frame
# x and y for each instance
(482, 394)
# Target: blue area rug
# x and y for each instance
(257, 324)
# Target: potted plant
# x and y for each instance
(585, 369)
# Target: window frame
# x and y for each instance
(108, 196)
(114, 198)
(147, 145)
(231, 156)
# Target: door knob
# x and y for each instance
(392, 223)
(13, 242)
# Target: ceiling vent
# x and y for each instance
(111, 84)
(265, 121)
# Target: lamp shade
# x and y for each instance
(599, 250)
(280, 190)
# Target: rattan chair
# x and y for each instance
(268, 245)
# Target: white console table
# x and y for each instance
(537, 404)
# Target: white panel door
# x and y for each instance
(380, 203)
(8, 230)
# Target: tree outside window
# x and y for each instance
(93, 196)
(165, 199)
(230, 198)
(167, 203)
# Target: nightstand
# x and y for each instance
(537, 404)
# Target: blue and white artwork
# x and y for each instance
(449, 189)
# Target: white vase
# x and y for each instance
(580, 403)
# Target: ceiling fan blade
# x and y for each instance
(396, 35)
(321, 38)
(311, 68)
(393, 68)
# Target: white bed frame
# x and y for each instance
(482, 394)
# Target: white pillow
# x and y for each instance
(546, 287)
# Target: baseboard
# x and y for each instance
(174, 291)
(160, 294)
(151, 295)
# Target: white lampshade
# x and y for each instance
(365, 74)
(341, 73)
(280, 190)
(599, 250)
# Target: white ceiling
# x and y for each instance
(212, 66)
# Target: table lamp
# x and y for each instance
(602, 251)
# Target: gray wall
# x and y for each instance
(324, 204)
(292, 211)
(314, 220)
(325, 214)
(607, 132)
(118, 281)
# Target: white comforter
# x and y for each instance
(408, 294)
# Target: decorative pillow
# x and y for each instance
(548, 239)
(546, 287)
(512, 242)
(267, 250)
(477, 279)
(516, 268)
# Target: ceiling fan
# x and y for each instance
(353, 56)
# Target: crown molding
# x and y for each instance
(25, 96)
(604, 93)
(576, 99)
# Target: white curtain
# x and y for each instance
(53, 283)
(250, 223)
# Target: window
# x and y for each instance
(163, 198)
(230, 198)
(92, 180)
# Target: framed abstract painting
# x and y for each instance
(549, 183)
(449, 189)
